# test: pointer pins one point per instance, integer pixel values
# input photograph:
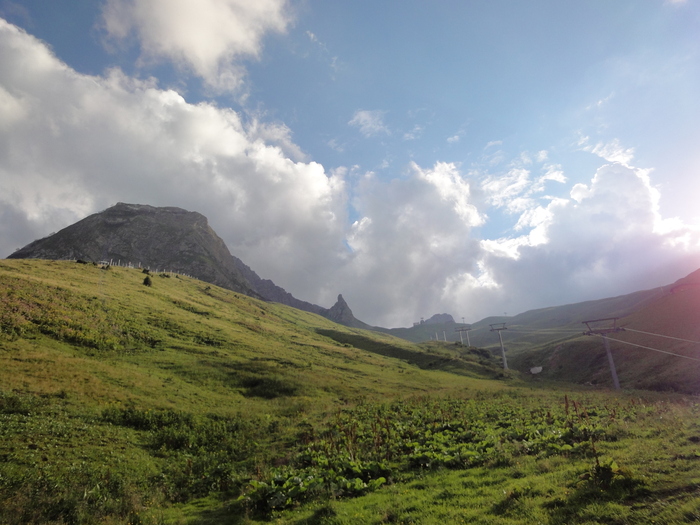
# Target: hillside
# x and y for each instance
(182, 402)
(170, 239)
(110, 312)
(666, 325)
(530, 327)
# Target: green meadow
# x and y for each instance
(139, 398)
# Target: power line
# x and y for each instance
(666, 336)
(545, 331)
(654, 349)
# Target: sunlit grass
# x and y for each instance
(125, 403)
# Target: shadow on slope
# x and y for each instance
(658, 349)
(473, 362)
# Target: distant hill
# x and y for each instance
(530, 328)
(168, 239)
(658, 352)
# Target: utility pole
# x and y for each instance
(460, 330)
(603, 332)
(500, 338)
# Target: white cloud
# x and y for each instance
(277, 134)
(209, 38)
(73, 144)
(370, 122)
(612, 151)
(415, 133)
(601, 102)
(603, 243)
(335, 145)
(81, 143)
(453, 189)
(414, 235)
(554, 173)
(608, 239)
(579, 192)
(506, 190)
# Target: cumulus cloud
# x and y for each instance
(415, 232)
(73, 144)
(370, 122)
(603, 242)
(209, 38)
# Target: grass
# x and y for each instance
(181, 402)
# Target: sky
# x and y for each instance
(471, 157)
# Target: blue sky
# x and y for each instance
(469, 157)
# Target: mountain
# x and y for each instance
(340, 313)
(169, 239)
(440, 319)
(533, 326)
(658, 349)
(270, 291)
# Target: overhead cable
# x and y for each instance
(659, 335)
(653, 349)
(545, 331)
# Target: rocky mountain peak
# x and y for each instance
(340, 311)
(440, 319)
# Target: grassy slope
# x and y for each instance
(126, 403)
(180, 337)
(583, 359)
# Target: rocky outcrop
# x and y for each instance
(340, 313)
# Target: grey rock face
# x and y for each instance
(340, 313)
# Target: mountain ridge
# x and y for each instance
(168, 238)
